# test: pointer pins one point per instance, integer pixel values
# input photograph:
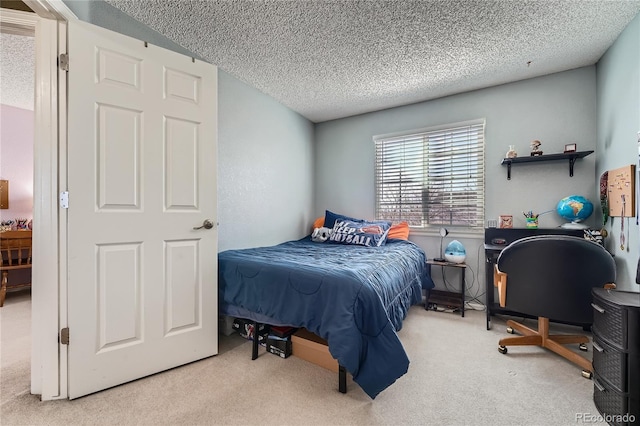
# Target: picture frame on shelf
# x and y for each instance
(505, 221)
(570, 147)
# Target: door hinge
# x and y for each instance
(64, 199)
(64, 336)
(63, 61)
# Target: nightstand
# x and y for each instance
(448, 298)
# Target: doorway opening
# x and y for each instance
(17, 116)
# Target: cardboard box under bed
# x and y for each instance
(313, 348)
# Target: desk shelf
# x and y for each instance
(571, 156)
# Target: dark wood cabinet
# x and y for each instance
(616, 355)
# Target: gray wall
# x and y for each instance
(557, 109)
(265, 168)
(618, 123)
(265, 151)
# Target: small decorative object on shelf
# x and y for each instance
(570, 147)
(505, 221)
(532, 219)
(512, 153)
(535, 148)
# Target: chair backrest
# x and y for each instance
(15, 250)
(552, 276)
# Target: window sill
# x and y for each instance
(453, 233)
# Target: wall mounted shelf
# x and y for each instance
(571, 156)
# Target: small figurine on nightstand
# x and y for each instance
(535, 148)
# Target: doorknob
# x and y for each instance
(207, 224)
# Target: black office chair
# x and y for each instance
(551, 277)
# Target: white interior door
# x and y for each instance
(142, 282)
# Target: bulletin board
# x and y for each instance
(621, 191)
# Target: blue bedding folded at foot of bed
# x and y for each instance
(354, 297)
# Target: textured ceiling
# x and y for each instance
(328, 59)
(17, 70)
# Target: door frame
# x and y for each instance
(48, 294)
(49, 307)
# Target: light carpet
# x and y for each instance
(456, 377)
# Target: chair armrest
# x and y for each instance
(500, 281)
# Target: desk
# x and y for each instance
(448, 298)
(495, 240)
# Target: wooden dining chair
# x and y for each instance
(15, 254)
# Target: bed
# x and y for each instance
(353, 296)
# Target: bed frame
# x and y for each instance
(342, 372)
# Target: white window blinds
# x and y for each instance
(432, 177)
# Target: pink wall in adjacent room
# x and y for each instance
(16, 160)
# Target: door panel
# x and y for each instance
(142, 282)
(118, 289)
(183, 286)
(181, 153)
(118, 162)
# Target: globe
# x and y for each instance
(574, 209)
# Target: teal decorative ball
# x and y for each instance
(574, 208)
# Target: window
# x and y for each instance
(432, 177)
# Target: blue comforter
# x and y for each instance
(354, 297)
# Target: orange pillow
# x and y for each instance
(318, 222)
(399, 230)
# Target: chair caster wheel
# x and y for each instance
(583, 347)
(510, 330)
(502, 349)
(587, 374)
